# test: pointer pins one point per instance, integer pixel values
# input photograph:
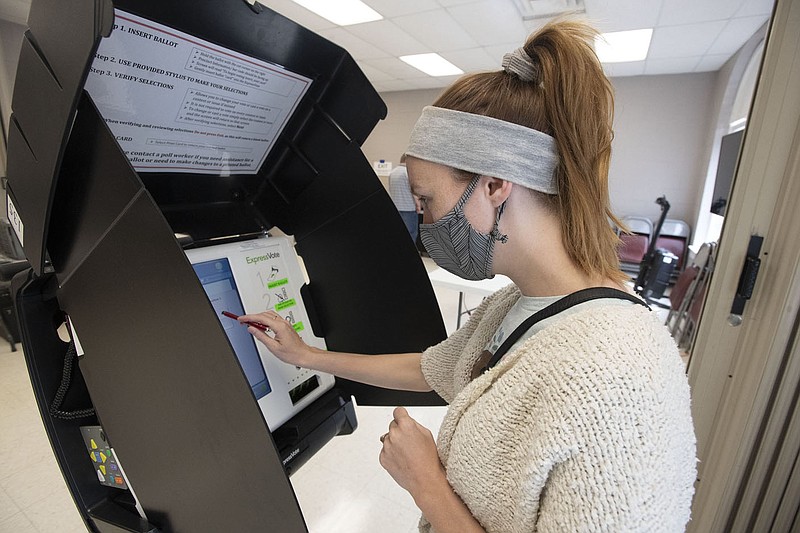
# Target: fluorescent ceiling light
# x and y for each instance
(622, 46)
(432, 64)
(342, 12)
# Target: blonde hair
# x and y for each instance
(570, 99)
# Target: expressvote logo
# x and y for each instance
(265, 257)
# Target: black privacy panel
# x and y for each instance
(158, 367)
(95, 185)
(211, 206)
(315, 184)
(53, 60)
(369, 286)
(166, 384)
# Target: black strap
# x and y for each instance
(571, 300)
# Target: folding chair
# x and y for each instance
(634, 244)
(688, 294)
(675, 235)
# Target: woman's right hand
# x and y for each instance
(284, 342)
(400, 371)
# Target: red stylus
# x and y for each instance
(256, 325)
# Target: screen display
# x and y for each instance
(218, 282)
(728, 157)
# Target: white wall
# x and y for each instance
(659, 148)
(389, 139)
(733, 81)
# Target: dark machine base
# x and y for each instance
(305, 434)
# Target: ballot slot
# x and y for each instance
(304, 389)
(250, 277)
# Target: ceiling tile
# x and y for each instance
(378, 86)
(431, 82)
(756, 7)
(475, 34)
(497, 52)
(394, 85)
(373, 74)
(687, 40)
(619, 15)
(358, 48)
(532, 26)
(394, 67)
(472, 60)
(448, 3)
(631, 68)
(711, 63)
(675, 12)
(299, 14)
(671, 65)
(736, 33)
(491, 22)
(393, 8)
(436, 30)
(388, 37)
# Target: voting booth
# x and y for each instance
(168, 161)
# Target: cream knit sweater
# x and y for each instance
(585, 427)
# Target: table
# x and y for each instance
(442, 278)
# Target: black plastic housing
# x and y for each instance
(101, 242)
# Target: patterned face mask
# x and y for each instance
(456, 246)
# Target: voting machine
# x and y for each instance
(168, 161)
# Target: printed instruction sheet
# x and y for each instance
(176, 103)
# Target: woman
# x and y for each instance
(576, 419)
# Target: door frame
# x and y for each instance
(733, 370)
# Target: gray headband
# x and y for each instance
(486, 146)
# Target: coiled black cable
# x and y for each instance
(61, 393)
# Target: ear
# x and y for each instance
(497, 190)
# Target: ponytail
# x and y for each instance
(579, 105)
(566, 95)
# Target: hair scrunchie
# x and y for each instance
(521, 65)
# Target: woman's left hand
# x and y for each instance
(409, 454)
